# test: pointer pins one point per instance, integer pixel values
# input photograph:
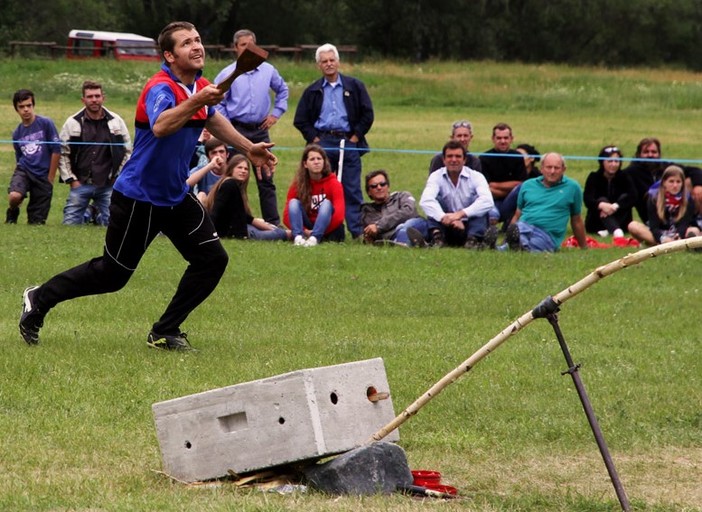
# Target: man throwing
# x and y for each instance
(151, 196)
(334, 108)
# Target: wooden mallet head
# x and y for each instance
(250, 59)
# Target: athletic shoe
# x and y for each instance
(311, 241)
(299, 240)
(32, 319)
(169, 341)
(416, 238)
(12, 215)
(512, 238)
(490, 238)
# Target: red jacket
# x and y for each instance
(326, 188)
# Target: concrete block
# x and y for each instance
(301, 415)
(378, 468)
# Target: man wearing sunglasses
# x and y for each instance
(391, 217)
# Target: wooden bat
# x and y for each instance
(250, 59)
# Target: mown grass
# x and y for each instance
(76, 411)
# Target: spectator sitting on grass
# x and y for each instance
(671, 212)
(609, 197)
(543, 208)
(202, 179)
(391, 216)
(228, 204)
(456, 200)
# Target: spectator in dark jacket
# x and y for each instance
(333, 109)
(609, 196)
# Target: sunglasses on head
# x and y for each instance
(378, 185)
(462, 124)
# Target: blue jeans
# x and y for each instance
(79, 199)
(299, 219)
(475, 227)
(534, 239)
(350, 180)
(417, 223)
(271, 235)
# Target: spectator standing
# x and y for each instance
(334, 108)
(456, 200)
(462, 131)
(543, 208)
(247, 105)
(609, 197)
(671, 211)
(228, 204)
(151, 196)
(391, 216)
(504, 169)
(95, 146)
(37, 152)
(314, 210)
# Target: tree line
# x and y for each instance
(612, 33)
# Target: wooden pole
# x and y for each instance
(524, 320)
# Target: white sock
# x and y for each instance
(618, 233)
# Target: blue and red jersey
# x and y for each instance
(158, 168)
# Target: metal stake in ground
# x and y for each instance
(342, 146)
(573, 370)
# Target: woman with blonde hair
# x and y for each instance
(671, 212)
(315, 206)
(228, 204)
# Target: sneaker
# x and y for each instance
(169, 341)
(416, 238)
(512, 238)
(12, 215)
(32, 319)
(437, 238)
(299, 240)
(311, 241)
(490, 238)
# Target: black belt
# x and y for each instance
(247, 126)
(336, 133)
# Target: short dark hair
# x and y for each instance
(501, 126)
(22, 95)
(90, 84)
(212, 143)
(452, 144)
(165, 38)
(377, 172)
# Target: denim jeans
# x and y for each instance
(475, 227)
(534, 239)
(300, 220)
(417, 223)
(79, 199)
(271, 235)
(350, 180)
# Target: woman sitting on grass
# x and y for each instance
(609, 196)
(671, 212)
(228, 204)
(315, 206)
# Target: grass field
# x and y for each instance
(76, 410)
